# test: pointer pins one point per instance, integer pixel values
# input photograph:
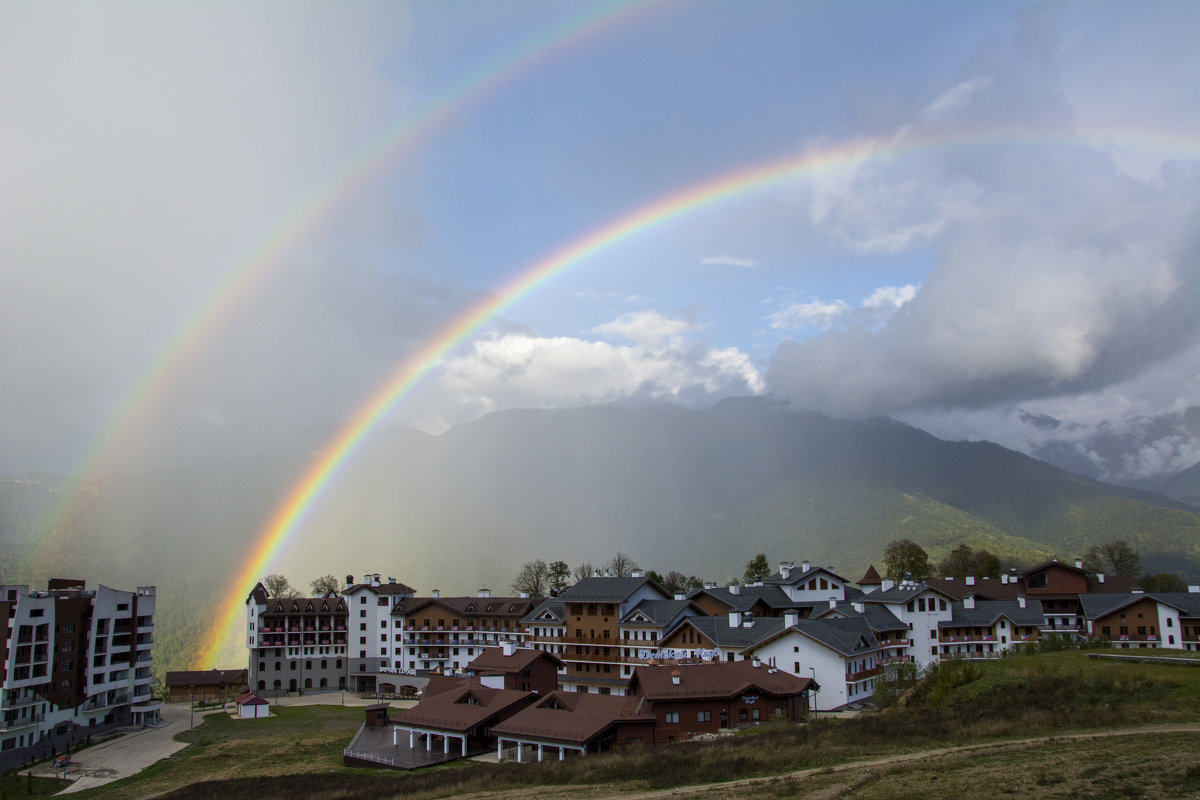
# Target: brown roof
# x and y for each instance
(575, 718)
(205, 677)
(465, 706)
(473, 606)
(493, 660)
(305, 605)
(718, 679)
(871, 578)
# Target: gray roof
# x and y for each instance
(796, 574)
(879, 617)
(850, 637)
(901, 594)
(660, 612)
(1101, 605)
(606, 590)
(555, 607)
(717, 630)
(1186, 602)
(773, 597)
(987, 612)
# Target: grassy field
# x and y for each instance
(297, 755)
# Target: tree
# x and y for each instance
(675, 582)
(964, 561)
(324, 585)
(622, 565)
(1115, 558)
(757, 568)
(1162, 582)
(559, 577)
(532, 578)
(279, 586)
(904, 556)
(584, 570)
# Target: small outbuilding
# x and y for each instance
(377, 715)
(251, 706)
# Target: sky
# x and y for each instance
(1000, 221)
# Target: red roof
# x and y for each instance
(871, 578)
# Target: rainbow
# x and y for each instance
(238, 282)
(302, 497)
(289, 515)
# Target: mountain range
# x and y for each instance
(701, 492)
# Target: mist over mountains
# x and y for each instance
(697, 491)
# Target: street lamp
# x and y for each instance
(813, 670)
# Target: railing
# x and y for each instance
(863, 674)
(16, 702)
(21, 722)
(363, 755)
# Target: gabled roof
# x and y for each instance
(796, 575)
(717, 680)
(1054, 562)
(988, 612)
(546, 611)
(772, 597)
(305, 605)
(382, 588)
(718, 631)
(879, 617)
(903, 593)
(460, 704)
(850, 637)
(1188, 603)
(607, 590)
(1101, 605)
(492, 659)
(575, 718)
(658, 612)
(249, 699)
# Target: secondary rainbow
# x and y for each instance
(290, 513)
(249, 271)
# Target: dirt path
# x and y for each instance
(730, 788)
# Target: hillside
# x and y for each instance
(696, 491)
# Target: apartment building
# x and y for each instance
(447, 633)
(296, 643)
(1138, 620)
(590, 627)
(75, 660)
(981, 629)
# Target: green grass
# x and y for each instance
(15, 786)
(298, 754)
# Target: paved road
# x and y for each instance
(131, 753)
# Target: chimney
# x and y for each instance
(832, 603)
(969, 601)
(791, 618)
(970, 580)
(1021, 600)
(608, 573)
(437, 593)
(735, 589)
(485, 592)
(785, 569)
(349, 581)
(637, 573)
(1079, 563)
(596, 574)
(710, 584)
(805, 566)
(747, 619)
(887, 584)
(735, 619)
(374, 580)
(675, 676)
(508, 647)
(524, 595)
(680, 596)
(1100, 577)
(391, 579)
(1003, 577)
(756, 662)
(1194, 588)
(860, 607)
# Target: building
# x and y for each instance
(75, 661)
(373, 647)
(983, 629)
(296, 643)
(523, 669)
(574, 722)
(444, 634)
(457, 715)
(201, 685)
(251, 706)
(583, 627)
(686, 700)
(842, 655)
(721, 638)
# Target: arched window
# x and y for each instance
(308, 664)
(324, 683)
(339, 663)
(293, 665)
(277, 666)
(308, 683)
(324, 664)
(262, 666)
(278, 685)
(262, 685)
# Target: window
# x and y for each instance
(703, 716)
(671, 718)
(362, 614)
(383, 601)
(742, 714)
(362, 599)
(754, 713)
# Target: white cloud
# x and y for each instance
(955, 98)
(890, 296)
(812, 314)
(823, 315)
(647, 328)
(729, 261)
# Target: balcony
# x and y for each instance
(21, 722)
(852, 677)
(14, 699)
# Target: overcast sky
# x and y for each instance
(1019, 230)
